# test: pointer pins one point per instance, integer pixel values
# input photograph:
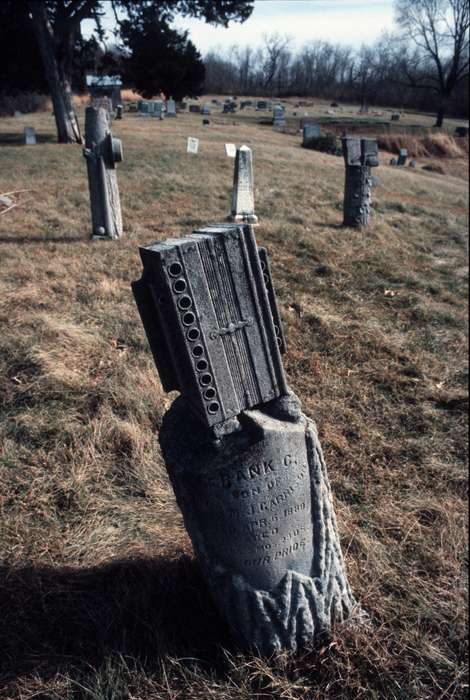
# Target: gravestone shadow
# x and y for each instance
(66, 620)
(16, 138)
(25, 239)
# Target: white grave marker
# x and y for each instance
(29, 136)
(230, 150)
(193, 145)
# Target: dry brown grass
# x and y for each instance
(99, 593)
(440, 145)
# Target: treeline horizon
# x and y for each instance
(386, 74)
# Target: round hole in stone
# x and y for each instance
(209, 394)
(193, 333)
(179, 286)
(175, 269)
(198, 350)
(188, 318)
(279, 341)
(201, 365)
(206, 379)
(185, 303)
(213, 407)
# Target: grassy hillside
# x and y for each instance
(99, 593)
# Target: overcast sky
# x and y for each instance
(345, 21)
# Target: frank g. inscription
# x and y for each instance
(256, 513)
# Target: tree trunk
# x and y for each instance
(440, 115)
(68, 130)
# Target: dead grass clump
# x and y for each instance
(440, 145)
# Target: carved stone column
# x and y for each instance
(360, 155)
(102, 152)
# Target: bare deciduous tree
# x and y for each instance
(439, 28)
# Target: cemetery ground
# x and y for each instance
(99, 593)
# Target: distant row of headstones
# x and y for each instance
(102, 152)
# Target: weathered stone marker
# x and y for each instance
(102, 151)
(310, 132)
(243, 202)
(119, 111)
(192, 145)
(279, 118)
(230, 150)
(30, 136)
(402, 156)
(245, 463)
(171, 108)
(360, 155)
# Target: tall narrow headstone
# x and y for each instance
(206, 110)
(245, 463)
(119, 111)
(102, 151)
(360, 155)
(279, 117)
(171, 108)
(243, 200)
(30, 136)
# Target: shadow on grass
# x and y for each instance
(16, 138)
(24, 240)
(65, 620)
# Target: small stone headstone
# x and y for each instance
(195, 109)
(412, 164)
(144, 108)
(309, 132)
(192, 145)
(30, 136)
(230, 150)
(395, 117)
(171, 108)
(393, 161)
(119, 111)
(206, 110)
(206, 122)
(461, 131)
(402, 156)
(279, 119)
(17, 113)
(261, 106)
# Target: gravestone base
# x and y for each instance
(257, 505)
